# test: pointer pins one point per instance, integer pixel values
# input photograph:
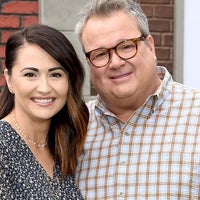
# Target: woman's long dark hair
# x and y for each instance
(68, 127)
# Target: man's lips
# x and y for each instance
(120, 76)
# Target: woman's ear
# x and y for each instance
(8, 81)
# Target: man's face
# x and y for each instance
(120, 79)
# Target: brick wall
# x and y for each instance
(13, 16)
(19, 13)
(161, 21)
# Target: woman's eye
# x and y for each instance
(29, 74)
(56, 75)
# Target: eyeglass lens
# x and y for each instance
(125, 50)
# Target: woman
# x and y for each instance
(43, 116)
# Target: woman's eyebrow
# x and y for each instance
(55, 68)
(36, 70)
(29, 68)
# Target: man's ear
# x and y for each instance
(150, 42)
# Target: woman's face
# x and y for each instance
(40, 84)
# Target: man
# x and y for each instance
(144, 132)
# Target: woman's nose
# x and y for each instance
(44, 85)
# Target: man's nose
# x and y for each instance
(115, 60)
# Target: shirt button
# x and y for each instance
(123, 163)
(121, 193)
(127, 134)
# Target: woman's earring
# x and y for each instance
(11, 91)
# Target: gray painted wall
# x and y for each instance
(63, 15)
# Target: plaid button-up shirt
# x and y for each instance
(154, 155)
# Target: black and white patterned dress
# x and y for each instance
(22, 177)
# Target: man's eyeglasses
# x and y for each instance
(125, 50)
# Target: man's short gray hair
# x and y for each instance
(107, 7)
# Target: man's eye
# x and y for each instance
(99, 55)
(128, 46)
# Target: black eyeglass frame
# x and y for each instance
(135, 40)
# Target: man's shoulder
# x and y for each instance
(186, 89)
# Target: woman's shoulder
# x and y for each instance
(8, 135)
(5, 128)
